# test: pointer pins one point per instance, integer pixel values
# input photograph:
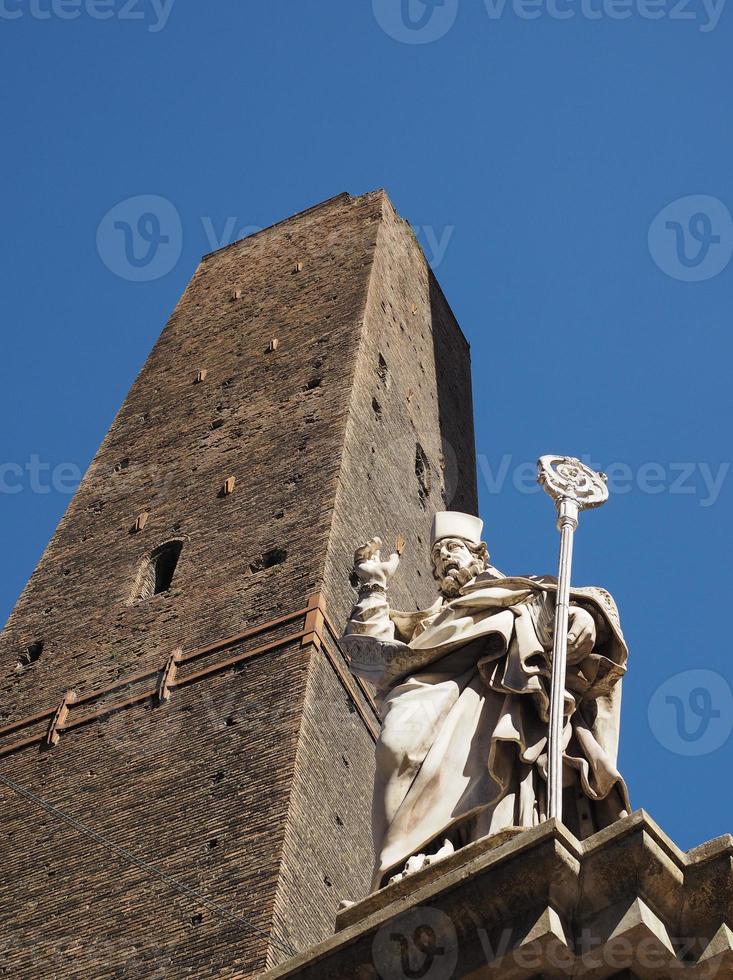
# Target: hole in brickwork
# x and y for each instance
(216, 424)
(377, 408)
(230, 721)
(382, 369)
(211, 844)
(327, 881)
(157, 571)
(218, 778)
(197, 919)
(122, 465)
(346, 762)
(313, 384)
(276, 556)
(30, 656)
(422, 472)
(339, 821)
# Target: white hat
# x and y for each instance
(453, 524)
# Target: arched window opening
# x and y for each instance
(157, 571)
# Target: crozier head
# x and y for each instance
(457, 552)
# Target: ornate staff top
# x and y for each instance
(572, 485)
(565, 476)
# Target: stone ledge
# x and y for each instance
(539, 902)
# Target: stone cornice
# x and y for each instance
(539, 902)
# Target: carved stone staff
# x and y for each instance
(574, 487)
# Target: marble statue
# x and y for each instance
(463, 690)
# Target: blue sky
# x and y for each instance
(567, 167)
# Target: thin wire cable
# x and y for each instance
(143, 865)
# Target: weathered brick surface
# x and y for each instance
(412, 388)
(236, 784)
(327, 849)
(414, 363)
(165, 783)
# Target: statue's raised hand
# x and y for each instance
(370, 570)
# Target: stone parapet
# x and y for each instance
(626, 902)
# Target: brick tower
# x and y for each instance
(171, 679)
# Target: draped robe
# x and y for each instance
(463, 690)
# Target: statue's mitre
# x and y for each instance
(453, 524)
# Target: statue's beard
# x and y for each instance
(456, 578)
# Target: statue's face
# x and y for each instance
(451, 555)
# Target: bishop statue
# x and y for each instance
(463, 690)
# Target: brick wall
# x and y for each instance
(238, 786)
(182, 787)
(411, 394)
(411, 389)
